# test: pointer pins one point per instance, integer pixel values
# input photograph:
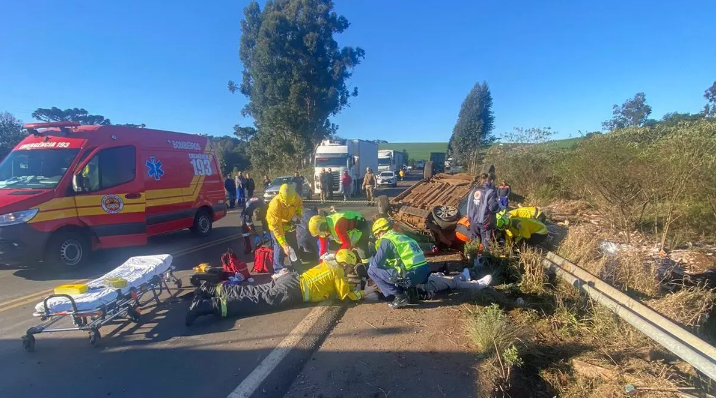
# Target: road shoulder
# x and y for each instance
(377, 352)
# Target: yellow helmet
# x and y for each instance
(317, 226)
(287, 194)
(381, 225)
(345, 256)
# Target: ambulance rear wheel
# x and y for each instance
(202, 223)
(68, 250)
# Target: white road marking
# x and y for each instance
(255, 378)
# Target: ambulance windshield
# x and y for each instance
(37, 168)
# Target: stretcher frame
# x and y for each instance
(126, 306)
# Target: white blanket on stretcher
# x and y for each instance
(136, 271)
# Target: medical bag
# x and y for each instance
(230, 263)
(263, 260)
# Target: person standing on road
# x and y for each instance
(290, 289)
(401, 173)
(398, 264)
(230, 187)
(240, 191)
(325, 185)
(331, 183)
(346, 185)
(250, 186)
(267, 182)
(298, 182)
(481, 208)
(369, 184)
(284, 212)
(503, 192)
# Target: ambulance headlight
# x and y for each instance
(17, 217)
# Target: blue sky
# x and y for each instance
(548, 63)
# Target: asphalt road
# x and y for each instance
(158, 356)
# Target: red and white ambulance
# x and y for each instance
(67, 190)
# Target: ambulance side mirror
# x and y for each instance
(78, 183)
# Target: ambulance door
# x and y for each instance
(110, 197)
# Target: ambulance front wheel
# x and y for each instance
(202, 223)
(68, 249)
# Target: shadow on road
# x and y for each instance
(106, 260)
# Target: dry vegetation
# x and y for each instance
(569, 346)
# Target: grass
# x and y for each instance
(491, 330)
(417, 150)
(421, 150)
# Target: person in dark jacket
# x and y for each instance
(503, 192)
(298, 182)
(331, 183)
(255, 208)
(230, 187)
(250, 186)
(481, 208)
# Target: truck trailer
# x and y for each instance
(352, 155)
(390, 160)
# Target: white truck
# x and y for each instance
(390, 160)
(352, 155)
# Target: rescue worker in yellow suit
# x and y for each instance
(517, 229)
(283, 214)
(289, 289)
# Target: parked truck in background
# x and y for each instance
(390, 160)
(438, 162)
(352, 155)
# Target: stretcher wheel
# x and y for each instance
(177, 283)
(28, 342)
(94, 337)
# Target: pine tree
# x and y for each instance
(474, 126)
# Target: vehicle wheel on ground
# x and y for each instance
(68, 250)
(383, 205)
(202, 223)
(446, 217)
(428, 170)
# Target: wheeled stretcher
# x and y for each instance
(103, 303)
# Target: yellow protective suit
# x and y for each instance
(279, 215)
(523, 228)
(325, 279)
(526, 212)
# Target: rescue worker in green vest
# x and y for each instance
(398, 264)
(349, 229)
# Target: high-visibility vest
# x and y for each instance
(354, 234)
(410, 255)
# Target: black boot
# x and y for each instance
(198, 308)
(400, 301)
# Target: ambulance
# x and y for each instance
(67, 190)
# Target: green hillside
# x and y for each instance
(416, 150)
(421, 150)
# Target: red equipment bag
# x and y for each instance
(263, 260)
(231, 263)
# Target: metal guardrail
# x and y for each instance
(671, 336)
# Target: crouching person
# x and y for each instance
(398, 264)
(287, 290)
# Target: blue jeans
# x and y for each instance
(278, 255)
(385, 278)
(240, 195)
(503, 202)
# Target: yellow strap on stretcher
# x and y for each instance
(72, 290)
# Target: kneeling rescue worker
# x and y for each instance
(348, 228)
(288, 289)
(398, 264)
